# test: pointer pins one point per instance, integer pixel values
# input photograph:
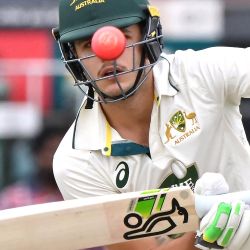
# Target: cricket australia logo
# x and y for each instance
(154, 215)
(181, 126)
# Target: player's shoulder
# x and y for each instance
(188, 63)
(66, 143)
(80, 172)
(206, 54)
(68, 161)
(66, 155)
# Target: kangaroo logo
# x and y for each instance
(181, 126)
(144, 207)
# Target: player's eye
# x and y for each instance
(87, 44)
(126, 34)
(83, 44)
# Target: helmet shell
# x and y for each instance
(81, 18)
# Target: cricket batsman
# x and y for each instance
(151, 120)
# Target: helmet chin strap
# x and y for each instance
(90, 101)
(124, 95)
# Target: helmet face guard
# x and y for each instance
(151, 44)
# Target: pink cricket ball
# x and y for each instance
(108, 43)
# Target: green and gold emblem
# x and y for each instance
(178, 121)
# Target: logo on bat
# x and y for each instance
(144, 223)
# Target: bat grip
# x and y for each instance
(203, 203)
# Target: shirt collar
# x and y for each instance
(162, 78)
(93, 132)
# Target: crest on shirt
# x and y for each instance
(181, 126)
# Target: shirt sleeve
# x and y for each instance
(222, 71)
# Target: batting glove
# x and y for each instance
(227, 224)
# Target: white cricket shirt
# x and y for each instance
(195, 128)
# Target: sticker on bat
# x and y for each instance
(144, 222)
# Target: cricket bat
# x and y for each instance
(99, 221)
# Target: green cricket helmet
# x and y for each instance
(79, 19)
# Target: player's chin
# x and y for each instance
(113, 83)
(113, 89)
(113, 93)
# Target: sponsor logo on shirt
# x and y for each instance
(188, 180)
(122, 174)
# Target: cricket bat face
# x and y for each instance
(98, 221)
(157, 212)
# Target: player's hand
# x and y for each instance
(226, 225)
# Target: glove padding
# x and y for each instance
(226, 225)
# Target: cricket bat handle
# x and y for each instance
(203, 203)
